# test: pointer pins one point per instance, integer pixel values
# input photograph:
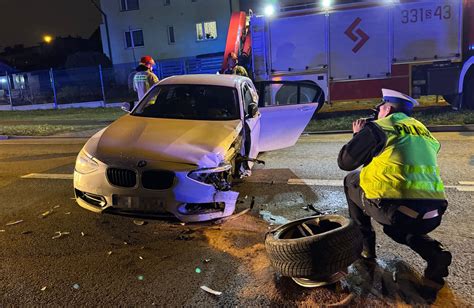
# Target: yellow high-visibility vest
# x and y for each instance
(407, 166)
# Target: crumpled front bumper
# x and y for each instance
(95, 193)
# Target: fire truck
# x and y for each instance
(351, 51)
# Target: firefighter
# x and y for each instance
(399, 185)
(233, 66)
(144, 77)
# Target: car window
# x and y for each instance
(247, 98)
(193, 102)
(277, 94)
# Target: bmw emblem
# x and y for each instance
(141, 164)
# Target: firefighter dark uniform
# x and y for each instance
(399, 185)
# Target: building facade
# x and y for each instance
(165, 29)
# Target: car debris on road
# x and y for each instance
(12, 223)
(211, 291)
(59, 234)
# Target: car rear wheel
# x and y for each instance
(315, 247)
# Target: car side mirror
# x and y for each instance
(252, 110)
(128, 107)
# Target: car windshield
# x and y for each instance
(193, 102)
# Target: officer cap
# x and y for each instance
(395, 97)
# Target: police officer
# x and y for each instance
(144, 78)
(399, 185)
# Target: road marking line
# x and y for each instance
(466, 182)
(465, 188)
(340, 183)
(315, 182)
(308, 182)
(48, 176)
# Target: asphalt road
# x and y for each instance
(110, 260)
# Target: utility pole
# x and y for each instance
(106, 28)
(133, 44)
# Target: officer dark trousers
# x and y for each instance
(398, 226)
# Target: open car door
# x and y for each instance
(286, 108)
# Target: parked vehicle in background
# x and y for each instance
(179, 149)
(351, 51)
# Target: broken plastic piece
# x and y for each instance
(47, 213)
(43, 288)
(14, 222)
(139, 222)
(59, 234)
(206, 260)
(67, 213)
(209, 290)
(140, 257)
(198, 270)
(57, 206)
(109, 253)
(311, 207)
(83, 234)
(219, 221)
(140, 277)
(76, 286)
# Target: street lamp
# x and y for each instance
(326, 4)
(47, 39)
(269, 10)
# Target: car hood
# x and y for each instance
(197, 142)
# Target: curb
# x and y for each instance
(436, 129)
(3, 137)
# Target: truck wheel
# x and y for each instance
(315, 247)
(468, 95)
(468, 91)
(450, 99)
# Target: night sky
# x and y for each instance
(26, 21)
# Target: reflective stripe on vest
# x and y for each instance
(407, 167)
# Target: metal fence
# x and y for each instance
(90, 84)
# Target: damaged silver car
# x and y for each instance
(178, 150)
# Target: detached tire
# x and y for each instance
(316, 247)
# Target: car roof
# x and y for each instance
(207, 79)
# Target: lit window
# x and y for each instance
(134, 38)
(166, 2)
(129, 5)
(171, 39)
(206, 30)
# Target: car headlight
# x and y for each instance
(218, 176)
(85, 163)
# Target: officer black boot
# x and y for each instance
(438, 259)
(368, 246)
